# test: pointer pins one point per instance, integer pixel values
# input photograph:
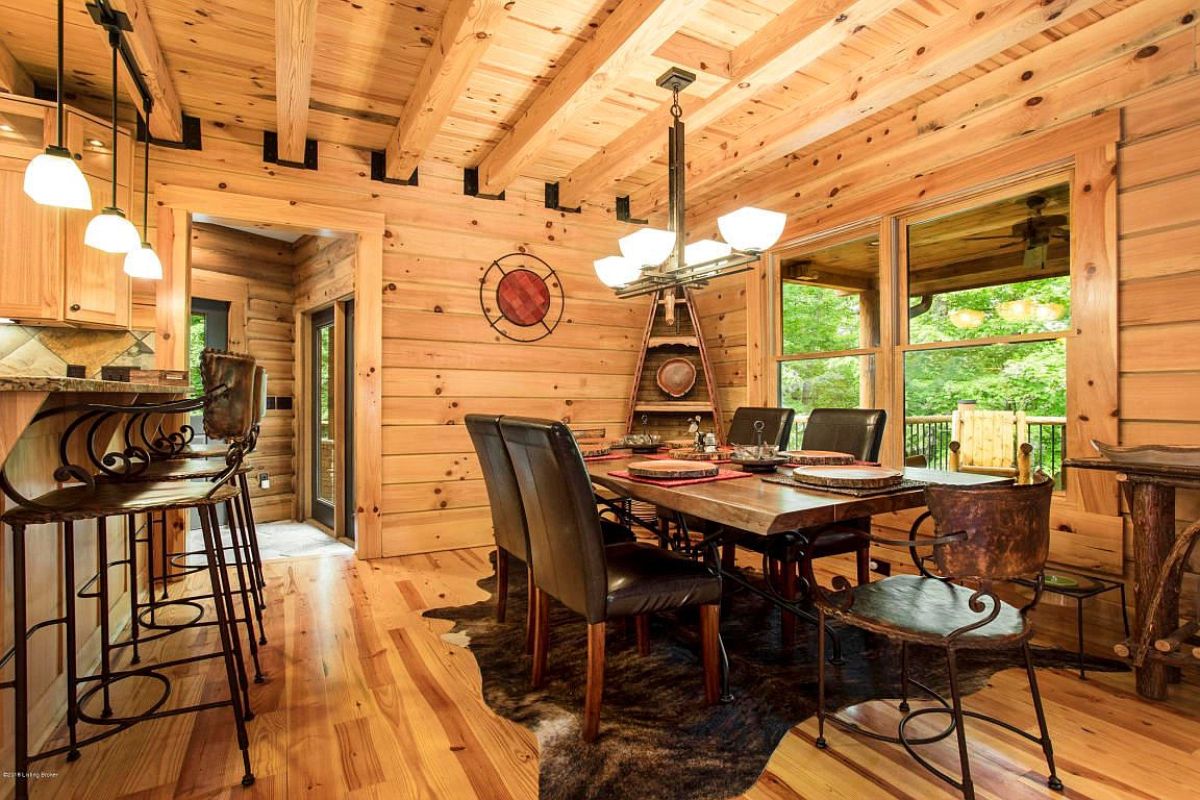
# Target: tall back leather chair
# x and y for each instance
(572, 564)
(777, 425)
(504, 497)
(857, 431)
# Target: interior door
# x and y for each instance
(348, 517)
(322, 397)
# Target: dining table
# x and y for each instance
(762, 505)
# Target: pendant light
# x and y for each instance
(53, 178)
(109, 230)
(142, 262)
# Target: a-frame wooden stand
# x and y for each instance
(673, 330)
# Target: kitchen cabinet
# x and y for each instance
(47, 275)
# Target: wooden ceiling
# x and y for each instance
(559, 90)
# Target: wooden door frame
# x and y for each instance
(176, 205)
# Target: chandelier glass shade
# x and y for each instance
(143, 262)
(653, 259)
(53, 178)
(111, 232)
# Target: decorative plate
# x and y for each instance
(759, 464)
(593, 448)
(521, 297)
(676, 376)
(848, 477)
(668, 469)
(817, 458)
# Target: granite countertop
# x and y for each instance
(61, 383)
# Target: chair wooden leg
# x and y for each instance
(541, 636)
(595, 681)
(530, 608)
(501, 584)
(787, 620)
(642, 623)
(862, 557)
(710, 630)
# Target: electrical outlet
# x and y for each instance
(883, 568)
(264, 480)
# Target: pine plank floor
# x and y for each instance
(364, 699)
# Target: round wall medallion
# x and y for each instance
(522, 297)
(676, 376)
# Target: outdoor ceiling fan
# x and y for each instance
(1036, 231)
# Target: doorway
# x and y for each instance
(324, 438)
(330, 396)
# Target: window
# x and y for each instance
(989, 305)
(829, 327)
(959, 329)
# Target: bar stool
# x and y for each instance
(228, 414)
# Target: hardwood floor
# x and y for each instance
(364, 699)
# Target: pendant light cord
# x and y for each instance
(146, 181)
(113, 39)
(59, 76)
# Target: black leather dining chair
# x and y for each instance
(571, 563)
(856, 431)
(508, 513)
(777, 426)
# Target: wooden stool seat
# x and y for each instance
(115, 499)
(178, 470)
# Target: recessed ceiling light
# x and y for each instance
(95, 143)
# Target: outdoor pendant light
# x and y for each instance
(109, 230)
(142, 262)
(53, 178)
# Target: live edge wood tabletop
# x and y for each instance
(754, 505)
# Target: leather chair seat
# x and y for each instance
(831, 541)
(644, 578)
(112, 499)
(926, 609)
(615, 532)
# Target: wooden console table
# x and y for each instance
(1150, 492)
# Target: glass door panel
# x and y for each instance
(324, 432)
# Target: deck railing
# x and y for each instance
(929, 436)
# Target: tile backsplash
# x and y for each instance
(27, 350)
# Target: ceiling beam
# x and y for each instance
(793, 40)
(295, 35)
(977, 31)
(13, 77)
(635, 29)
(166, 121)
(466, 32)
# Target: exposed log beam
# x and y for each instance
(295, 35)
(979, 30)
(696, 55)
(635, 29)
(13, 77)
(998, 106)
(797, 37)
(166, 122)
(466, 33)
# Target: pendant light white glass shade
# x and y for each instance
(616, 271)
(143, 263)
(111, 232)
(705, 250)
(752, 229)
(648, 246)
(53, 178)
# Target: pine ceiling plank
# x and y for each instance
(634, 30)
(13, 77)
(466, 32)
(166, 121)
(793, 40)
(978, 31)
(295, 37)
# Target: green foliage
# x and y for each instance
(197, 327)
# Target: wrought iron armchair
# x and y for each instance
(984, 535)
